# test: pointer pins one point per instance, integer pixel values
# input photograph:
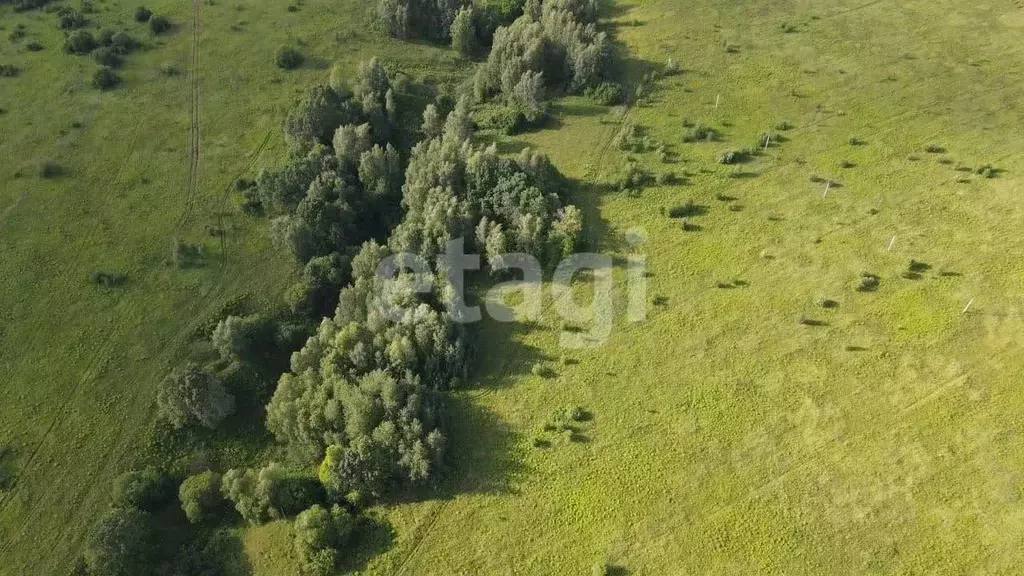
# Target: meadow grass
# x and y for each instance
(79, 363)
(727, 436)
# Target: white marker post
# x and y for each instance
(827, 186)
(968, 307)
(891, 242)
(767, 141)
(717, 98)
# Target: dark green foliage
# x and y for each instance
(34, 46)
(105, 78)
(868, 282)
(143, 14)
(22, 5)
(122, 543)
(508, 120)
(934, 149)
(318, 115)
(784, 125)
(159, 24)
(322, 538)
(606, 93)
(543, 371)
(184, 254)
(431, 19)
(855, 141)
(736, 156)
(6, 476)
(146, 490)
(80, 42)
(986, 171)
(9, 70)
(70, 19)
(827, 303)
(50, 169)
(107, 279)
(200, 496)
(634, 178)
(108, 57)
(463, 32)
(700, 133)
(684, 210)
(288, 58)
(666, 178)
(194, 395)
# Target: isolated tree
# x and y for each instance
(288, 58)
(194, 395)
(143, 14)
(120, 544)
(200, 496)
(463, 32)
(159, 24)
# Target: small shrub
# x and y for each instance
(817, 179)
(159, 24)
(934, 149)
(700, 133)
(293, 8)
(9, 70)
(868, 282)
(143, 14)
(34, 46)
(50, 169)
(169, 69)
(634, 178)
(671, 67)
(827, 303)
(107, 56)
(184, 254)
(606, 93)
(105, 78)
(985, 171)
(666, 178)
(854, 141)
(508, 120)
(288, 58)
(784, 125)
(542, 370)
(788, 28)
(732, 49)
(69, 18)
(107, 279)
(688, 226)
(734, 156)
(80, 42)
(767, 139)
(846, 164)
(122, 43)
(243, 184)
(684, 210)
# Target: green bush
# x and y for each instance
(70, 19)
(542, 370)
(159, 24)
(508, 121)
(143, 14)
(700, 133)
(34, 46)
(80, 42)
(868, 282)
(107, 56)
(9, 70)
(289, 58)
(105, 78)
(108, 279)
(606, 93)
(684, 210)
(934, 149)
(50, 169)
(146, 490)
(735, 156)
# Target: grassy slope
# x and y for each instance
(79, 365)
(727, 438)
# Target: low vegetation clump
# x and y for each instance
(9, 70)
(686, 210)
(288, 58)
(736, 156)
(105, 78)
(985, 171)
(50, 169)
(868, 282)
(80, 42)
(634, 178)
(158, 24)
(142, 14)
(542, 370)
(70, 19)
(934, 149)
(700, 133)
(606, 93)
(107, 279)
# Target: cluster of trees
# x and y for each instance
(553, 46)
(364, 394)
(431, 19)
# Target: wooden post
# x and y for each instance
(966, 308)
(889, 249)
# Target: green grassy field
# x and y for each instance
(79, 364)
(727, 437)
